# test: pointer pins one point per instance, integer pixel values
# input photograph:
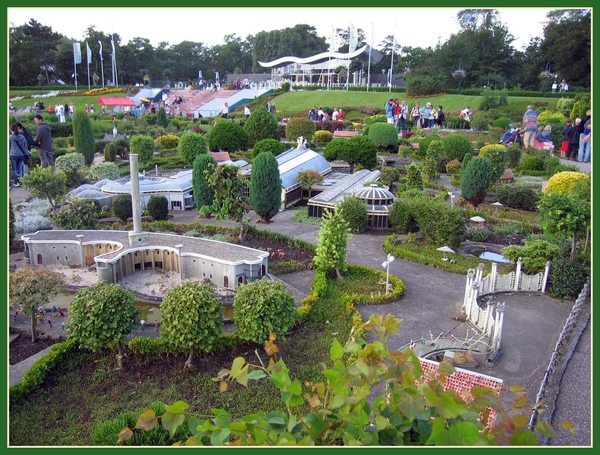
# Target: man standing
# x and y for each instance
(402, 115)
(246, 112)
(530, 125)
(389, 111)
(43, 141)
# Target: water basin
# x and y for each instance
(488, 255)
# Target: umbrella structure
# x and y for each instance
(446, 249)
(477, 219)
(498, 204)
(116, 101)
(144, 100)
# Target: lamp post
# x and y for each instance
(386, 265)
(451, 198)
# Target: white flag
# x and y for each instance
(77, 53)
(353, 38)
(89, 53)
(100, 52)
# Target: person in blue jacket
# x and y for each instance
(389, 111)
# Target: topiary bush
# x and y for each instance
(300, 126)
(262, 125)
(567, 278)
(104, 170)
(79, 214)
(167, 141)
(502, 122)
(385, 137)
(83, 136)
(322, 137)
(514, 155)
(389, 175)
(265, 186)
(424, 144)
(453, 167)
(414, 177)
(191, 145)
(564, 181)
(535, 254)
(518, 196)
(229, 137)
(115, 148)
(203, 192)
(475, 180)
(144, 147)
(477, 234)
(456, 146)
(479, 124)
(531, 163)
(274, 146)
(122, 206)
(71, 164)
(354, 211)
(158, 208)
(499, 159)
(262, 308)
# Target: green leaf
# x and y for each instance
(336, 351)
(218, 437)
(171, 421)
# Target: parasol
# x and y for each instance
(446, 249)
(477, 219)
(144, 100)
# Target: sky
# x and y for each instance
(414, 27)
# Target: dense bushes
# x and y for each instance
(115, 148)
(518, 196)
(384, 136)
(229, 137)
(122, 206)
(203, 193)
(354, 212)
(322, 137)
(456, 146)
(564, 181)
(80, 214)
(274, 146)
(261, 125)
(300, 126)
(144, 147)
(190, 145)
(567, 278)
(158, 208)
(104, 170)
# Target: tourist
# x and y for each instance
(415, 115)
(396, 110)
(62, 326)
(545, 137)
(530, 125)
(341, 115)
(402, 116)
(564, 87)
(54, 310)
(225, 110)
(389, 111)
(564, 146)
(43, 141)
(586, 151)
(18, 153)
(441, 117)
(156, 324)
(465, 114)
(582, 133)
(246, 112)
(335, 114)
(574, 141)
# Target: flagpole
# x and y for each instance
(89, 56)
(329, 62)
(75, 66)
(348, 63)
(370, 48)
(114, 60)
(392, 61)
(101, 63)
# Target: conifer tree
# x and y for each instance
(83, 136)
(265, 186)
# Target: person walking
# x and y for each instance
(62, 326)
(246, 112)
(573, 141)
(18, 153)
(389, 111)
(43, 141)
(530, 125)
(441, 117)
(225, 110)
(402, 116)
(582, 133)
(143, 325)
(156, 325)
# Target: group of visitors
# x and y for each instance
(319, 114)
(21, 142)
(421, 117)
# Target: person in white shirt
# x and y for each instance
(225, 110)
(247, 111)
(466, 114)
(334, 114)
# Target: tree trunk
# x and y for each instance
(34, 335)
(120, 356)
(574, 246)
(241, 236)
(188, 362)
(339, 274)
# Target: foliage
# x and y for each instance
(502, 122)
(29, 289)
(144, 147)
(424, 144)
(514, 155)
(567, 278)
(83, 136)
(229, 137)
(299, 126)
(331, 249)
(477, 234)
(414, 177)
(12, 230)
(534, 254)
(191, 145)
(158, 207)
(475, 180)
(265, 186)
(71, 164)
(192, 320)
(261, 125)
(122, 206)
(161, 118)
(203, 192)
(262, 308)
(564, 181)
(356, 150)
(101, 315)
(322, 137)
(104, 170)
(453, 167)
(229, 201)
(517, 196)
(80, 214)
(389, 175)
(355, 213)
(456, 146)
(479, 123)
(499, 159)
(309, 178)
(415, 409)
(167, 141)
(274, 146)
(45, 182)
(115, 148)
(384, 136)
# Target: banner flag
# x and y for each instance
(77, 53)
(89, 53)
(353, 38)
(100, 52)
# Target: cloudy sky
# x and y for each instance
(412, 26)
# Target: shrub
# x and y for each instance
(477, 234)
(71, 164)
(475, 180)
(122, 206)
(479, 124)
(456, 146)
(144, 147)
(104, 170)
(514, 155)
(168, 141)
(116, 148)
(354, 211)
(564, 181)
(79, 214)
(414, 177)
(261, 125)
(518, 197)
(384, 136)
(46, 182)
(567, 278)
(262, 308)
(274, 146)
(229, 137)
(498, 156)
(424, 144)
(322, 137)
(191, 145)
(535, 253)
(158, 208)
(389, 175)
(265, 186)
(453, 167)
(531, 163)
(299, 126)
(203, 193)
(161, 118)
(502, 122)
(83, 136)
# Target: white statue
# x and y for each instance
(301, 142)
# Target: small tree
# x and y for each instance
(122, 206)
(161, 118)
(83, 136)
(228, 136)
(262, 308)
(192, 319)
(71, 164)
(229, 201)
(499, 158)
(309, 178)
(80, 214)
(191, 145)
(29, 289)
(265, 186)
(299, 126)
(262, 125)
(355, 213)
(414, 177)
(456, 146)
(384, 136)
(476, 179)
(274, 146)
(356, 150)
(203, 193)
(101, 315)
(104, 170)
(144, 147)
(46, 182)
(331, 249)
(158, 208)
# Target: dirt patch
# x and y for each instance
(22, 347)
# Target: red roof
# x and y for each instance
(116, 101)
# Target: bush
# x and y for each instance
(322, 137)
(475, 180)
(502, 122)
(477, 234)
(80, 214)
(456, 146)
(144, 147)
(158, 208)
(300, 126)
(161, 118)
(479, 124)
(203, 193)
(116, 148)
(168, 141)
(498, 156)
(385, 137)
(514, 155)
(122, 206)
(414, 177)
(265, 186)
(564, 181)
(531, 163)
(354, 211)
(262, 308)
(424, 144)
(453, 167)
(83, 136)
(567, 278)
(389, 175)
(518, 197)
(262, 125)
(104, 170)
(71, 164)
(535, 254)
(228, 136)
(274, 146)
(191, 145)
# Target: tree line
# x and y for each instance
(481, 53)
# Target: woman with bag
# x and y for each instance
(415, 114)
(18, 152)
